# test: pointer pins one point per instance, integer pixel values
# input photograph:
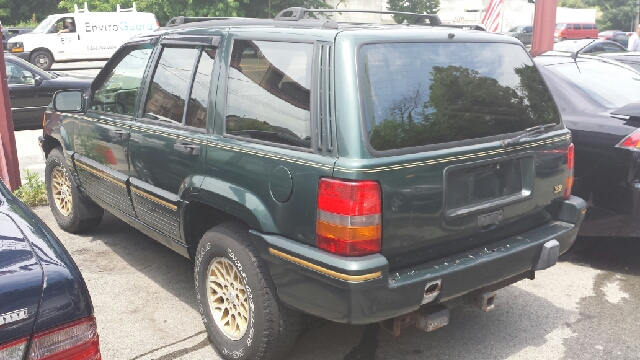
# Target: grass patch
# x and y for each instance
(33, 192)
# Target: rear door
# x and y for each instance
(167, 140)
(454, 176)
(102, 142)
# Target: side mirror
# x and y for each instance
(37, 81)
(68, 101)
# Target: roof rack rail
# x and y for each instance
(131, 9)
(76, 10)
(297, 13)
(179, 20)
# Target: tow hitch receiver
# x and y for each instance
(428, 318)
(485, 301)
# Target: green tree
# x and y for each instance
(573, 4)
(414, 6)
(616, 14)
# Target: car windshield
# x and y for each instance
(609, 85)
(571, 45)
(45, 25)
(560, 26)
(418, 94)
(514, 29)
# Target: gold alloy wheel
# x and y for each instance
(227, 298)
(61, 189)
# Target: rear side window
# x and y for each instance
(417, 94)
(168, 90)
(577, 27)
(587, 27)
(268, 96)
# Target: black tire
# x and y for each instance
(42, 59)
(72, 221)
(271, 327)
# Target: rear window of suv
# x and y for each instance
(418, 94)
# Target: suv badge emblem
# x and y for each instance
(557, 189)
(13, 316)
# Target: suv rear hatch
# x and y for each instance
(445, 123)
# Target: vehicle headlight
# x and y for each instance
(15, 47)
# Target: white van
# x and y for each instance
(81, 35)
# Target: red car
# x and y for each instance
(566, 31)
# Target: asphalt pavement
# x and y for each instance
(585, 307)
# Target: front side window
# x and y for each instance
(418, 94)
(18, 75)
(118, 93)
(268, 96)
(168, 90)
(561, 26)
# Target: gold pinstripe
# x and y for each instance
(154, 199)
(320, 269)
(102, 175)
(337, 168)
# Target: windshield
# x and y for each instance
(44, 26)
(513, 29)
(418, 94)
(609, 85)
(32, 68)
(560, 26)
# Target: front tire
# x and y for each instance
(237, 298)
(64, 199)
(42, 59)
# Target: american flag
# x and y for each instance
(491, 18)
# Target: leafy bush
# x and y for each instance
(33, 192)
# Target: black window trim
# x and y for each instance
(312, 93)
(432, 147)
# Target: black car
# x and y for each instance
(590, 46)
(31, 90)
(593, 94)
(8, 33)
(45, 308)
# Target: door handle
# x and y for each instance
(188, 149)
(119, 134)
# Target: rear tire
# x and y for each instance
(237, 298)
(64, 198)
(42, 59)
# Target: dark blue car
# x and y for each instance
(45, 308)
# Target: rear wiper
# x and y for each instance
(528, 133)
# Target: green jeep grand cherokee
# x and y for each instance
(360, 173)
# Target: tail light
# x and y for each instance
(570, 165)
(632, 141)
(77, 340)
(13, 350)
(349, 219)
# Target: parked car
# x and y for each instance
(8, 33)
(598, 101)
(280, 182)
(587, 46)
(620, 37)
(31, 90)
(45, 308)
(569, 31)
(523, 33)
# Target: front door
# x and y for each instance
(28, 100)
(102, 142)
(167, 140)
